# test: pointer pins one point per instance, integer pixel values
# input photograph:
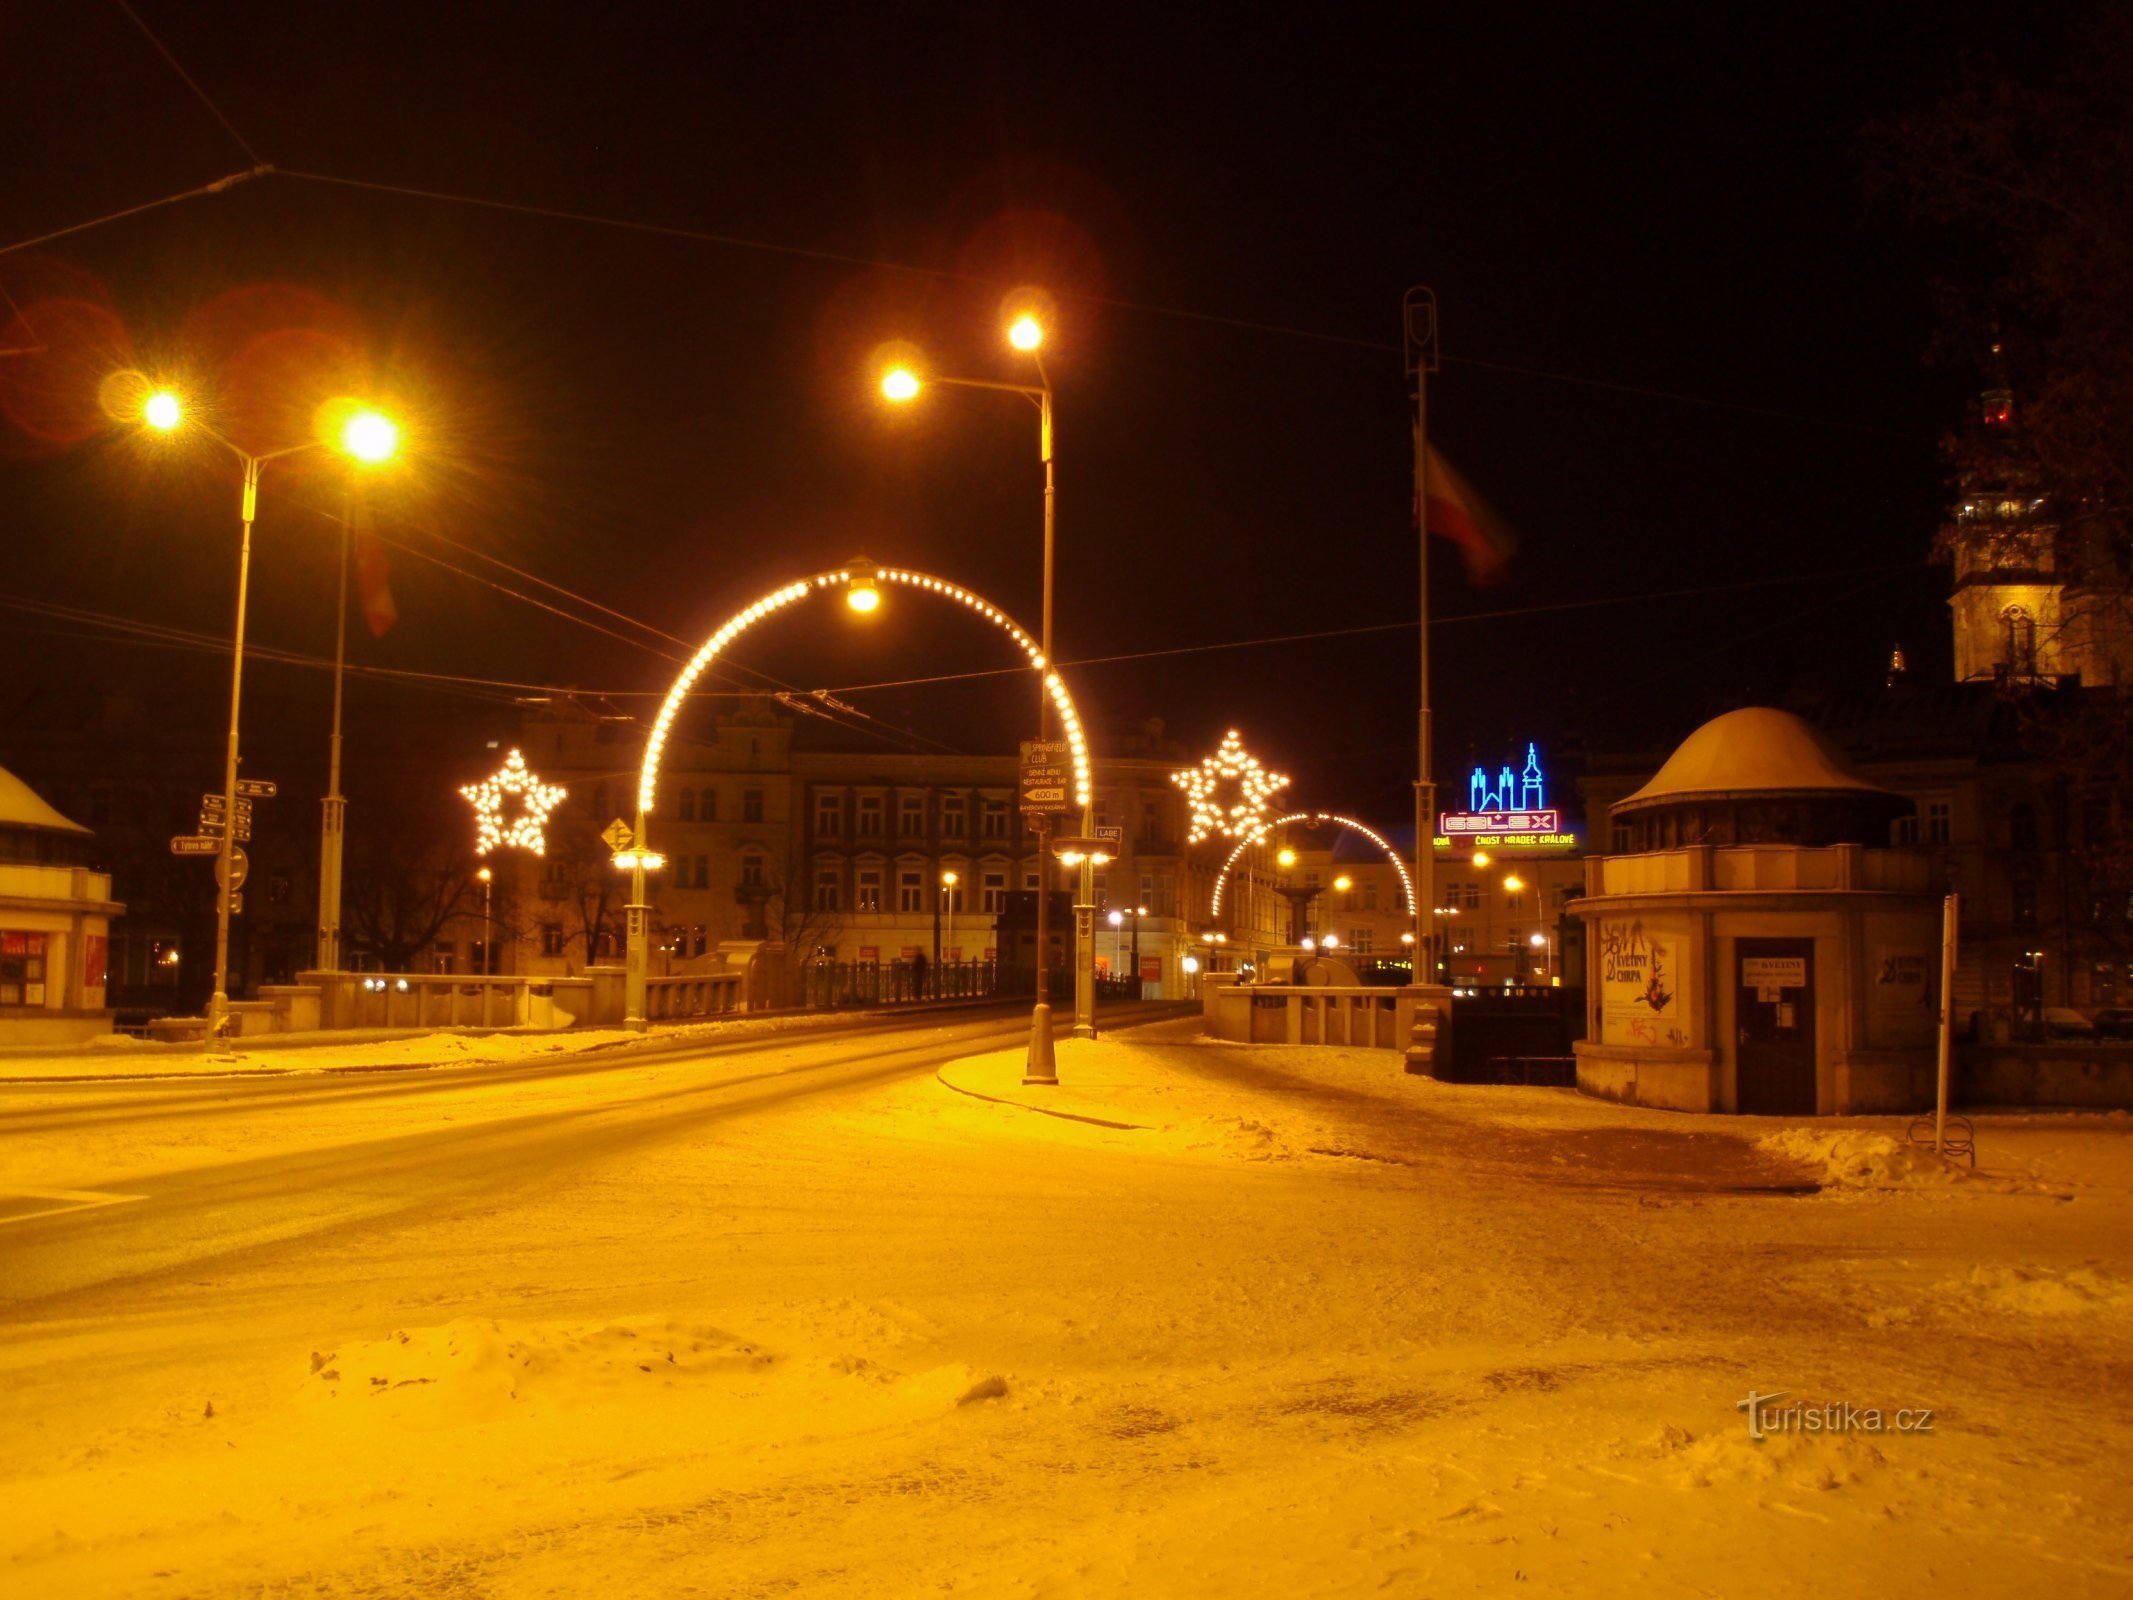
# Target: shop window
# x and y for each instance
(22, 959)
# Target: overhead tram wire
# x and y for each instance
(199, 93)
(725, 666)
(1143, 307)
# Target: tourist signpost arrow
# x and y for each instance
(257, 788)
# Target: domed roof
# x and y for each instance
(1754, 751)
(22, 807)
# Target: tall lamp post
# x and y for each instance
(901, 384)
(941, 892)
(366, 436)
(488, 923)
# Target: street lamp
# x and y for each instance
(947, 888)
(901, 384)
(368, 437)
(488, 923)
(1117, 920)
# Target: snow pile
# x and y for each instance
(2038, 1291)
(481, 1370)
(1847, 1158)
(1781, 1460)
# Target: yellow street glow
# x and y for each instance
(1286, 857)
(162, 412)
(1481, 858)
(862, 599)
(1514, 883)
(1344, 883)
(370, 436)
(900, 383)
(1025, 333)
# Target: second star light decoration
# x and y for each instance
(1235, 770)
(524, 828)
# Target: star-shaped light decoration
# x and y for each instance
(1230, 792)
(511, 809)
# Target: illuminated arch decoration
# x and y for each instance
(856, 575)
(1318, 818)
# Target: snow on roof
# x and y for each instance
(22, 807)
(1756, 750)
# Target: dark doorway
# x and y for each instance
(1776, 1009)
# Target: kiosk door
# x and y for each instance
(1776, 1012)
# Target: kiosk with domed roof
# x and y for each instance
(1754, 949)
(55, 923)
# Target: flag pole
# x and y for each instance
(1419, 318)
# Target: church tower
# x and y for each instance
(2025, 606)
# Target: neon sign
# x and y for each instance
(1506, 808)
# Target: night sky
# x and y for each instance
(1227, 212)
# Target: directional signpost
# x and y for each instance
(256, 789)
(197, 844)
(1047, 777)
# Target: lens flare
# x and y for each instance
(900, 384)
(162, 411)
(370, 436)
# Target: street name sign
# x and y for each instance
(199, 844)
(257, 788)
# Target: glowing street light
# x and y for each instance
(861, 592)
(901, 383)
(368, 437)
(1344, 883)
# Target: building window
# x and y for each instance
(1151, 824)
(698, 940)
(1473, 897)
(2024, 895)
(1359, 940)
(1904, 830)
(751, 871)
(751, 805)
(995, 819)
(995, 887)
(867, 896)
(2021, 641)
(826, 889)
(910, 891)
(551, 938)
(1937, 828)
(829, 814)
(707, 805)
(952, 897)
(954, 817)
(2022, 828)
(686, 810)
(911, 817)
(1618, 838)
(870, 816)
(703, 872)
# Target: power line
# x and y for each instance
(228, 126)
(217, 187)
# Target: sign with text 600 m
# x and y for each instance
(1047, 776)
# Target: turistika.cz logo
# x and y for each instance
(1770, 1414)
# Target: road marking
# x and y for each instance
(20, 1205)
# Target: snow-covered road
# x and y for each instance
(807, 1320)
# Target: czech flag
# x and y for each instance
(1460, 515)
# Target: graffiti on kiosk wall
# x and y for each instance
(1640, 986)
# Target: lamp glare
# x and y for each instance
(162, 412)
(1025, 333)
(370, 437)
(900, 383)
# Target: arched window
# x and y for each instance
(686, 811)
(2021, 630)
